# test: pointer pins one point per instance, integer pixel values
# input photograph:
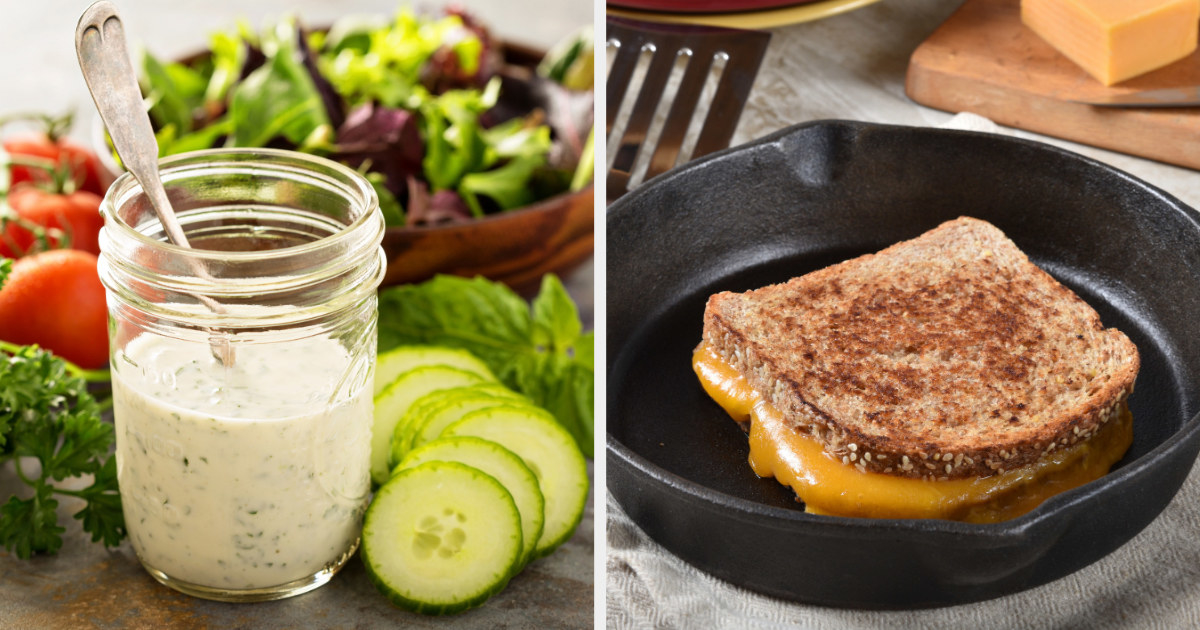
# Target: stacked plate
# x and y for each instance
(747, 14)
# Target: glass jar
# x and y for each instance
(242, 369)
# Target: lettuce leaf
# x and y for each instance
(454, 145)
(278, 99)
(537, 349)
(170, 141)
(508, 185)
(393, 212)
(390, 64)
(173, 91)
(386, 140)
(228, 54)
(473, 138)
(461, 155)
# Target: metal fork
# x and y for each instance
(669, 46)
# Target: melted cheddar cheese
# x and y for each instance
(828, 486)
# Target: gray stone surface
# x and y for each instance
(87, 586)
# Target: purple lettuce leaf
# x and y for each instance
(570, 115)
(335, 107)
(255, 58)
(444, 70)
(443, 206)
(388, 138)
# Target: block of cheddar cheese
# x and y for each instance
(1115, 40)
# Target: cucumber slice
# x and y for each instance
(549, 451)
(421, 408)
(499, 462)
(441, 537)
(430, 425)
(433, 400)
(397, 361)
(393, 403)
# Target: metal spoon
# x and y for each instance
(104, 60)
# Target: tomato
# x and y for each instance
(55, 299)
(76, 214)
(85, 169)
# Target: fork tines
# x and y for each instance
(674, 93)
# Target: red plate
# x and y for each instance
(705, 6)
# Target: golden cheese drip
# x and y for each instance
(828, 486)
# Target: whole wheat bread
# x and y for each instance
(950, 355)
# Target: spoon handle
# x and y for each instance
(104, 59)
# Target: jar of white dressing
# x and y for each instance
(242, 369)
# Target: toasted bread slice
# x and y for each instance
(947, 356)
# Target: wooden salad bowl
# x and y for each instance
(516, 247)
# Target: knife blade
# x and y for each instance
(1167, 97)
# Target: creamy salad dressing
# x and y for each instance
(241, 477)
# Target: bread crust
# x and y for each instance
(947, 356)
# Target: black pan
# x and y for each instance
(819, 193)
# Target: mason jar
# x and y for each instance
(242, 369)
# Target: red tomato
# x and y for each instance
(55, 299)
(77, 214)
(85, 168)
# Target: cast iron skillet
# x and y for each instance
(819, 193)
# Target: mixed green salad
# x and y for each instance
(425, 106)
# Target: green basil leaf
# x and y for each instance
(555, 317)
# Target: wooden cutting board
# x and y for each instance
(984, 60)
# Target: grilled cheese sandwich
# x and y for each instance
(944, 377)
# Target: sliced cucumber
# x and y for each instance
(441, 537)
(393, 403)
(499, 462)
(549, 451)
(421, 408)
(433, 400)
(430, 425)
(399, 360)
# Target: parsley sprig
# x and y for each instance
(47, 414)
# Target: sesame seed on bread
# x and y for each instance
(947, 356)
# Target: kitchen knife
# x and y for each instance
(1168, 97)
